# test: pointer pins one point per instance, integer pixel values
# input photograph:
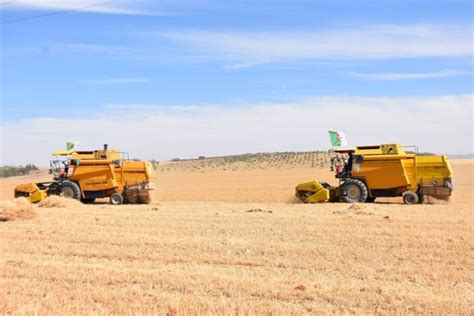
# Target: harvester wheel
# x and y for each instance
(88, 200)
(70, 190)
(411, 198)
(353, 191)
(370, 199)
(116, 199)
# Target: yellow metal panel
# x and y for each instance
(381, 174)
(26, 188)
(385, 149)
(37, 196)
(135, 172)
(60, 153)
(94, 177)
(321, 196)
(432, 168)
(319, 193)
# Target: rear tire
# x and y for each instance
(411, 198)
(70, 190)
(116, 199)
(353, 191)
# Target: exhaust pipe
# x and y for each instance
(106, 146)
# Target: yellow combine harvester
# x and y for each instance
(87, 175)
(387, 170)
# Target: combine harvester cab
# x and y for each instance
(88, 175)
(386, 170)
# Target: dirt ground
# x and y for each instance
(232, 242)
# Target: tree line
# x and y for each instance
(11, 171)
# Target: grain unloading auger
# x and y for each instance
(87, 175)
(386, 170)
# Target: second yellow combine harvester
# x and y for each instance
(88, 175)
(386, 170)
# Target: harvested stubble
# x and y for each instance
(186, 259)
(217, 258)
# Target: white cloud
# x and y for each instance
(91, 49)
(114, 81)
(371, 42)
(441, 124)
(408, 76)
(110, 7)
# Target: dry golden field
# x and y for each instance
(258, 161)
(234, 242)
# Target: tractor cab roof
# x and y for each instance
(343, 150)
(106, 154)
(384, 149)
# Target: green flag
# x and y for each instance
(338, 139)
(70, 147)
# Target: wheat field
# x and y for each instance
(235, 242)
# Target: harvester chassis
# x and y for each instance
(381, 171)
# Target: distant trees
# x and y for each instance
(421, 154)
(249, 161)
(425, 154)
(11, 171)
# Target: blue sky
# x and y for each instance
(189, 65)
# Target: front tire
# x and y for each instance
(70, 190)
(354, 191)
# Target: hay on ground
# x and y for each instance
(431, 199)
(258, 210)
(58, 201)
(356, 209)
(16, 209)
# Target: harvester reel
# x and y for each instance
(353, 191)
(70, 190)
(304, 194)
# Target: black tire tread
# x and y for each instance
(74, 186)
(370, 199)
(363, 189)
(88, 200)
(408, 193)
